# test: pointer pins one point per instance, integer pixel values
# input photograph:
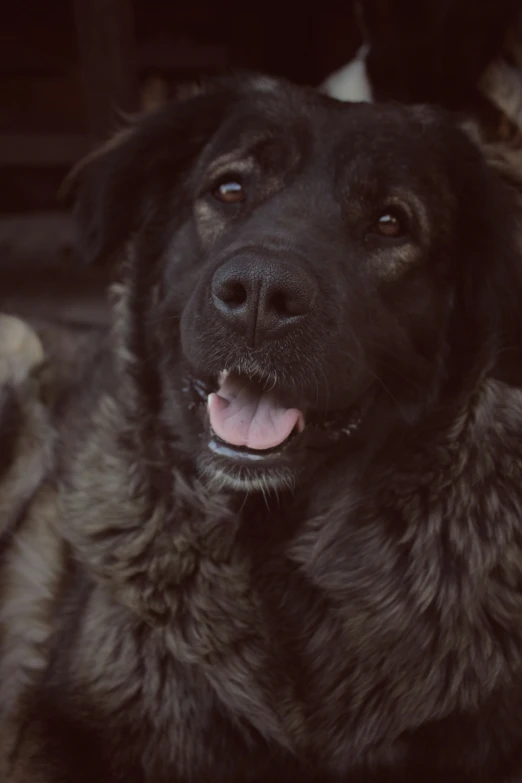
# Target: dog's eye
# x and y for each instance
(390, 224)
(230, 192)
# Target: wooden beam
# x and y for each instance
(40, 239)
(45, 149)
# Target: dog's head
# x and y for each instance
(301, 272)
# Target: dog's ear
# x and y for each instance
(506, 164)
(111, 188)
(494, 247)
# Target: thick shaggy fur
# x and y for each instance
(161, 621)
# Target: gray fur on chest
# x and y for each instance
(404, 603)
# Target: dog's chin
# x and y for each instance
(238, 478)
(266, 464)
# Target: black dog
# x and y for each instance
(280, 537)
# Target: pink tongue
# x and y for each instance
(242, 414)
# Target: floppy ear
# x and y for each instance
(507, 165)
(494, 272)
(111, 186)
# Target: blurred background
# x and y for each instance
(67, 67)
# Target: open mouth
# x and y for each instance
(249, 422)
(244, 415)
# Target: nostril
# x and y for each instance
(279, 303)
(285, 305)
(232, 293)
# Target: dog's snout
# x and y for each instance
(262, 298)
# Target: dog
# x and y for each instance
(276, 528)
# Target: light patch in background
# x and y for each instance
(350, 83)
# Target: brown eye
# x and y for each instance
(230, 192)
(390, 225)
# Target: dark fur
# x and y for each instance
(364, 625)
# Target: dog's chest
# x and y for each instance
(403, 605)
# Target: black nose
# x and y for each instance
(262, 298)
